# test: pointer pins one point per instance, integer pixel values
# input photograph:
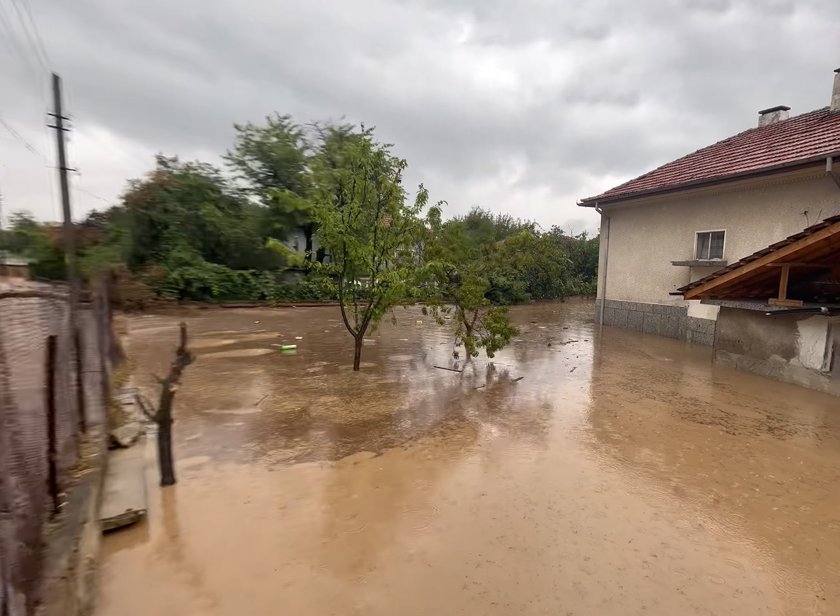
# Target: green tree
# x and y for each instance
(273, 159)
(478, 323)
(368, 225)
(185, 221)
(189, 205)
(38, 242)
(482, 227)
(476, 239)
(583, 255)
(538, 262)
(103, 241)
(457, 281)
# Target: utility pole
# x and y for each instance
(69, 241)
(69, 231)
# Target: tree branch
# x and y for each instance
(141, 401)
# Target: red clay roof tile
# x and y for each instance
(795, 140)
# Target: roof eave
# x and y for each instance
(791, 166)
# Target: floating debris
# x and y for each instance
(285, 347)
(237, 353)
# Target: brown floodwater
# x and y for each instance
(621, 474)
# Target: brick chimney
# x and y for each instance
(772, 115)
(835, 93)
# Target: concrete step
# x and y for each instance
(124, 496)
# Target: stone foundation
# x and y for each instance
(659, 319)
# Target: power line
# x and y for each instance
(35, 34)
(32, 37)
(90, 193)
(16, 47)
(14, 133)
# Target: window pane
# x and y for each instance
(703, 245)
(716, 245)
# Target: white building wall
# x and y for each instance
(640, 239)
(646, 235)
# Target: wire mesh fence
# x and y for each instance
(51, 390)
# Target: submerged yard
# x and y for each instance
(623, 474)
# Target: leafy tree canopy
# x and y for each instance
(189, 230)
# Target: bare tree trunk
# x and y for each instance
(357, 354)
(163, 416)
(164, 439)
(167, 467)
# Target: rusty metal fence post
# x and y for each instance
(80, 380)
(52, 437)
(7, 520)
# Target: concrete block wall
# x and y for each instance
(701, 331)
(659, 319)
(799, 349)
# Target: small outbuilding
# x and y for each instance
(13, 267)
(780, 309)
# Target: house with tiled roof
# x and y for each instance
(683, 221)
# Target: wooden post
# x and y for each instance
(782, 300)
(783, 282)
(102, 330)
(52, 438)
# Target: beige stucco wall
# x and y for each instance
(644, 236)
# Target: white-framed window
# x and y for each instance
(709, 245)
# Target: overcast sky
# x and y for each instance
(520, 106)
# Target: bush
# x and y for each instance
(132, 292)
(314, 287)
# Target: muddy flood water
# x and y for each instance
(623, 474)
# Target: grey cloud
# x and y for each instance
(520, 104)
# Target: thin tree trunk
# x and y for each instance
(164, 437)
(357, 354)
(167, 468)
(168, 387)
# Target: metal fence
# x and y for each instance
(49, 396)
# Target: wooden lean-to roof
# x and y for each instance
(811, 258)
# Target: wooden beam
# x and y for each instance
(787, 303)
(802, 264)
(776, 255)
